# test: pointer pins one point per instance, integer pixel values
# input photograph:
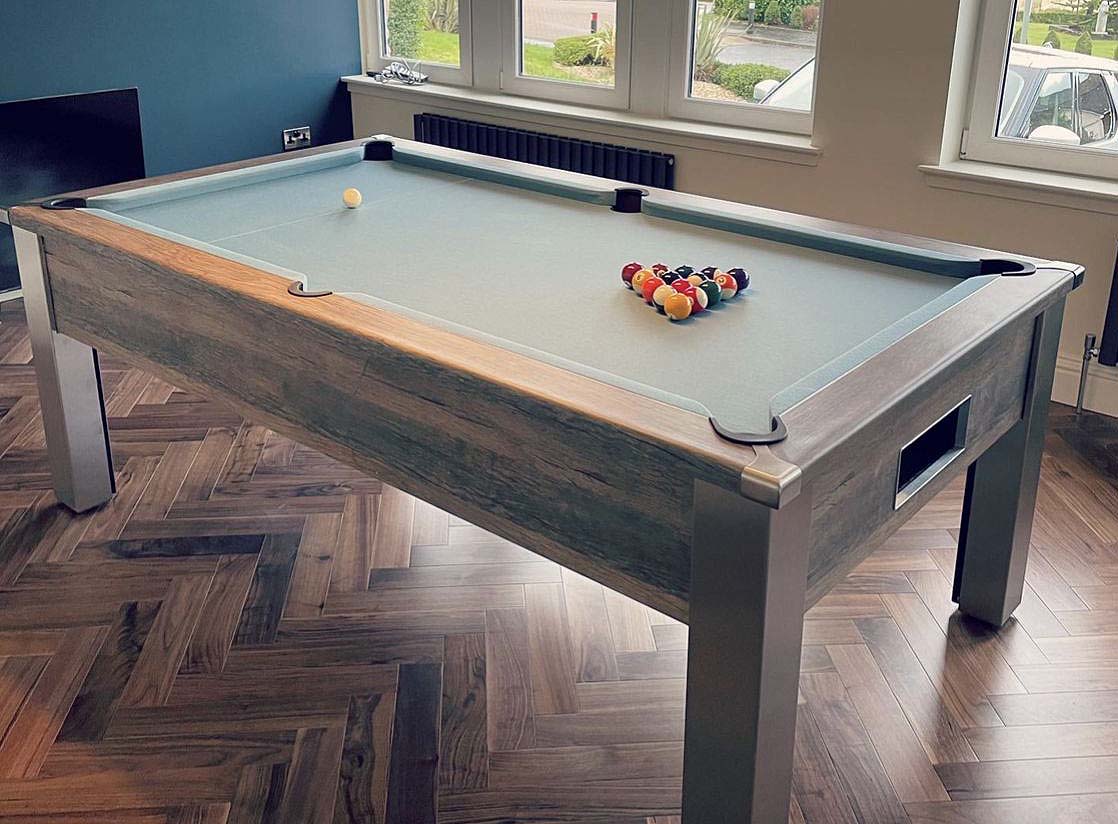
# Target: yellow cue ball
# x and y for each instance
(351, 198)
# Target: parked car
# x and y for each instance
(1050, 95)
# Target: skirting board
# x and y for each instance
(1102, 385)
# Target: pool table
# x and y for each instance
(465, 335)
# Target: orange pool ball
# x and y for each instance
(677, 306)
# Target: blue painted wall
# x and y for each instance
(219, 79)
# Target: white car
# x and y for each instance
(1050, 95)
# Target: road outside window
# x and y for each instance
(573, 41)
(755, 51)
(424, 30)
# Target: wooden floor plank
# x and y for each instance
(153, 674)
(28, 738)
(851, 749)
(464, 754)
(508, 682)
(413, 770)
(549, 651)
(593, 653)
(392, 538)
(1081, 809)
(309, 794)
(362, 794)
(904, 760)
(354, 555)
(220, 614)
(100, 693)
(314, 565)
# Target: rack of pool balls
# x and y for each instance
(682, 292)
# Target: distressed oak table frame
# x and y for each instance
(737, 542)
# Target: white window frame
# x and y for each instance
(681, 104)
(374, 47)
(980, 142)
(490, 53)
(513, 82)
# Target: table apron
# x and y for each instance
(855, 483)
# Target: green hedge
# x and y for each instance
(740, 78)
(1051, 39)
(1083, 44)
(734, 8)
(576, 51)
(405, 22)
(772, 12)
(1058, 18)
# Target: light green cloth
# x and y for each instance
(535, 267)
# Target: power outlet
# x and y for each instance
(297, 138)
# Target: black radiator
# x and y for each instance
(1108, 349)
(638, 166)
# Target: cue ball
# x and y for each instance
(351, 198)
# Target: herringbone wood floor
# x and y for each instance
(250, 632)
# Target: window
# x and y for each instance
(740, 62)
(1045, 87)
(435, 34)
(570, 50)
(750, 62)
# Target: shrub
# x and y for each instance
(709, 34)
(1084, 43)
(811, 17)
(1052, 38)
(796, 19)
(732, 8)
(740, 78)
(774, 14)
(603, 46)
(575, 51)
(405, 21)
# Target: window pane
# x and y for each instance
(755, 51)
(1096, 109)
(1054, 103)
(1061, 74)
(568, 40)
(425, 30)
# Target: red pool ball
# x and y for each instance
(627, 272)
(649, 286)
(659, 268)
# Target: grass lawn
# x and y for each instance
(539, 60)
(1099, 48)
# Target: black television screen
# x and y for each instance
(51, 145)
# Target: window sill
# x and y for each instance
(786, 148)
(1089, 194)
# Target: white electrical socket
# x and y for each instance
(297, 138)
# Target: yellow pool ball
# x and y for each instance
(351, 198)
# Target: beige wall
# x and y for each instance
(882, 101)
